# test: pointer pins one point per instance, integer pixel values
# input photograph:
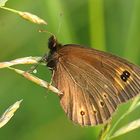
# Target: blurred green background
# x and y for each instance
(110, 25)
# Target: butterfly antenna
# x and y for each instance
(59, 23)
(46, 31)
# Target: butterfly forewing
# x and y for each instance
(123, 75)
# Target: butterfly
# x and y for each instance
(93, 82)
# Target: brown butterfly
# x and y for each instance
(93, 82)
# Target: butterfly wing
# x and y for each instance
(124, 75)
(93, 83)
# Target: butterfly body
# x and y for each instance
(93, 82)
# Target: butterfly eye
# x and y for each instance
(82, 113)
(125, 75)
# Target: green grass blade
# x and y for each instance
(97, 26)
(127, 128)
(132, 48)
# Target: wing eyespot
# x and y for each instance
(125, 75)
(82, 113)
(105, 95)
(101, 103)
(95, 111)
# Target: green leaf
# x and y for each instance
(127, 128)
(3, 2)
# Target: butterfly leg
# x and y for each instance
(59, 93)
(34, 67)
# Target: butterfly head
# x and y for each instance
(52, 43)
(52, 57)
